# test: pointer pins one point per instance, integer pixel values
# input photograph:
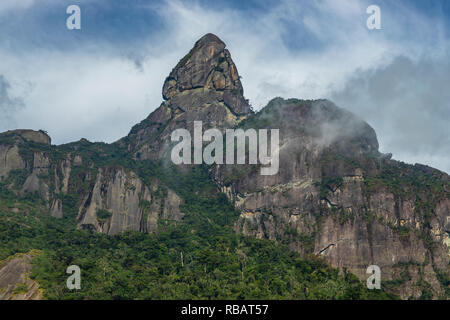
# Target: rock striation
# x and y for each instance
(15, 282)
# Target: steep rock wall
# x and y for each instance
(127, 204)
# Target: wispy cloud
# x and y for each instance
(9, 104)
(409, 104)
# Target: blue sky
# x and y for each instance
(123, 23)
(98, 81)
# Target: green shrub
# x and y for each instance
(103, 215)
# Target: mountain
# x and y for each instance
(337, 196)
(204, 86)
(128, 214)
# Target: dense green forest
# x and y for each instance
(201, 258)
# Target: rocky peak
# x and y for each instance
(208, 67)
(204, 86)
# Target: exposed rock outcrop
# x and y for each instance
(207, 66)
(120, 201)
(10, 160)
(15, 282)
(204, 86)
(33, 184)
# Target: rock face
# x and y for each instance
(31, 135)
(204, 86)
(120, 201)
(9, 160)
(20, 161)
(33, 184)
(15, 283)
(207, 66)
(10, 142)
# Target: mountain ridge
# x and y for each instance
(335, 196)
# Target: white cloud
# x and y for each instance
(6, 5)
(409, 105)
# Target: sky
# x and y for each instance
(97, 82)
